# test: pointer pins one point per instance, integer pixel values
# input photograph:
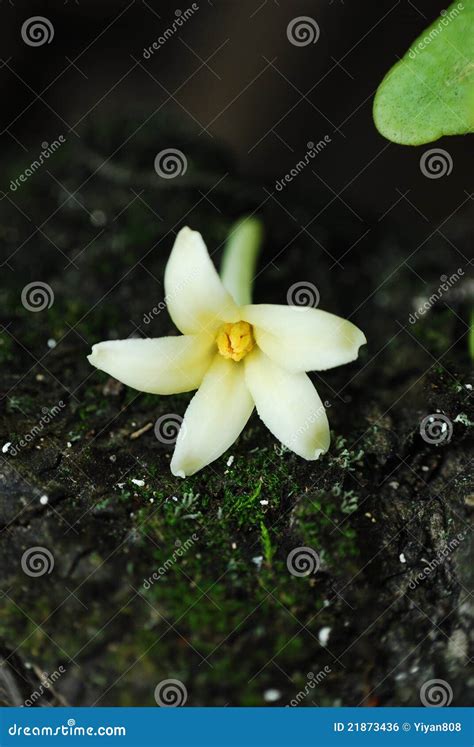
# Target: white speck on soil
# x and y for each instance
(52, 343)
(271, 695)
(138, 483)
(6, 446)
(394, 484)
(402, 558)
(264, 502)
(230, 461)
(323, 636)
(44, 500)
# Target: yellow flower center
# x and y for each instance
(235, 340)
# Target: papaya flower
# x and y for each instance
(238, 355)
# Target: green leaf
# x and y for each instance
(430, 92)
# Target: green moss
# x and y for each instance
(6, 348)
(22, 403)
(267, 544)
(436, 330)
(344, 458)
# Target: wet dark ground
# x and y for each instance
(227, 618)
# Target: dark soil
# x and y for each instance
(226, 617)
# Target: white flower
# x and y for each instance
(238, 355)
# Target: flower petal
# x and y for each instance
(195, 296)
(302, 338)
(289, 405)
(165, 365)
(214, 419)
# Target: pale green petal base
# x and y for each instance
(240, 259)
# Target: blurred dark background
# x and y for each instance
(232, 75)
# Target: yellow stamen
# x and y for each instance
(235, 340)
